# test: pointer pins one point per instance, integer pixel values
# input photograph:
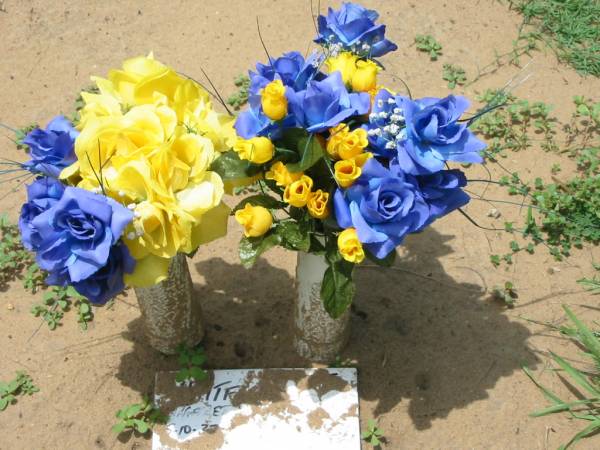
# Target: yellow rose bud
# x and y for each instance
(346, 172)
(346, 144)
(258, 150)
(273, 100)
(365, 77)
(256, 220)
(317, 204)
(298, 192)
(345, 63)
(281, 175)
(350, 247)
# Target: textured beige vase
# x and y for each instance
(318, 337)
(171, 311)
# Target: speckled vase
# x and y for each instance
(318, 337)
(171, 311)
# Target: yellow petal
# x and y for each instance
(212, 225)
(148, 271)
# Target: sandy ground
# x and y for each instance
(439, 362)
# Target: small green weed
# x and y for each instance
(240, 98)
(58, 300)
(22, 384)
(191, 361)
(13, 256)
(427, 43)
(140, 417)
(569, 27)
(506, 294)
(373, 434)
(454, 75)
(585, 384)
(591, 284)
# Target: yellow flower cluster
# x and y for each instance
(349, 148)
(147, 140)
(359, 74)
(298, 190)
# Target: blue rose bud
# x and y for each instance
(51, 150)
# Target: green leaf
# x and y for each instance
(260, 200)
(251, 248)
(198, 360)
(230, 167)
(133, 410)
(294, 235)
(198, 373)
(141, 426)
(337, 289)
(119, 428)
(182, 375)
(587, 337)
(311, 152)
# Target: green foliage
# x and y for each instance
(191, 360)
(570, 27)
(263, 200)
(337, 289)
(240, 98)
(310, 151)
(591, 284)
(251, 248)
(585, 385)
(510, 128)
(14, 258)
(427, 43)
(230, 167)
(140, 417)
(58, 300)
(22, 384)
(454, 75)
(506, 294)
(373, 434)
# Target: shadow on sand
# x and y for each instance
(420, 339)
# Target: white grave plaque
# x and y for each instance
(259, 409)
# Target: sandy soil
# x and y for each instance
(439, 362)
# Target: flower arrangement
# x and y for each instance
(346, 167)
(128, 185)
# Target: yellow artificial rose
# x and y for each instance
(345, 63)
(256, 220)
(147, 140)
(347, 172)
(257, 150)
(350, 247)
(346, 144)
(317, 204)
(281, 175)
(298, 192)
(273, 101)
(364, 78)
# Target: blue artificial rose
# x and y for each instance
(424, 133)
(51, 150)
(325, 104)
(75, 235)
(434, 135)
(442, 192)
(42, 194)
(353, 28)
(291, 68)
(108, 281)
(384, 205)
